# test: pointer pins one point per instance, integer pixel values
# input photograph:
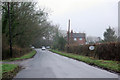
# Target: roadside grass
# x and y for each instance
(26, 56)
(8, 67)
(105, 64)
(0, 71)
(8, 70)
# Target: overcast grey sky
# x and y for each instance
(89, 16)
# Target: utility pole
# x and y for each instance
(68, 35)
(10, 35)
(69, 32)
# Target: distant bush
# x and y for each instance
(5, 50)
(106, 51)
(17, 52)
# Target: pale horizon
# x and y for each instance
(89, 16)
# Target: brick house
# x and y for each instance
(77, 38)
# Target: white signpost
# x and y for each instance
(91, 48)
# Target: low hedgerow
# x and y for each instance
(17, 52)
(106, 51)
(26, 56)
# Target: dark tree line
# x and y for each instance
(29, 26)
(26, 22)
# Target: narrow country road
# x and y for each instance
(46, 64)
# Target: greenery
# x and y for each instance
(25, 22)
(106, 64)
(29, 24)
(8, 67)
(105, 51)
(0, 71)
(109, 35)
(8, 70)
(48, 37)
(59, 41)
(26, 56)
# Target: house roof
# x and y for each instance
(78, 35)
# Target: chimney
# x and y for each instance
(68, 31)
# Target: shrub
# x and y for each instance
(16, 51)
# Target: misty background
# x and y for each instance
(89, 16)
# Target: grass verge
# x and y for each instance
(26, 56)
(8, 71)
(113, 66)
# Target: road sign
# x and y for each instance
(92, 48)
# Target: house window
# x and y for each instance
(80, 38)
(75, 39)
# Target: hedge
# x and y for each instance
(17, 52)
(106, 51)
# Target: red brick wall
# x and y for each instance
(81, 41)
(78, 42)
